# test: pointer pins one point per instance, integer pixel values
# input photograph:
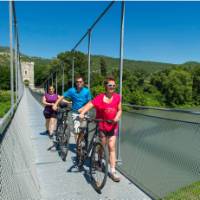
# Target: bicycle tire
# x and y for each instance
(98, 166)
(80, 149)
(59, 133)
(64, 143)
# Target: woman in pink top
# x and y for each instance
(108, 107)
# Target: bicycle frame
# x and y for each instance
(92, 141)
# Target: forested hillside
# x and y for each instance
(144, 83)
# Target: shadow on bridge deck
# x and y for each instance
(36, 173)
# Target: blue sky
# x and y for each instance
(156, 31)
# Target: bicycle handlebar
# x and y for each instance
(66, 109)
(89, 119)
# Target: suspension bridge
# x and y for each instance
(157, 150)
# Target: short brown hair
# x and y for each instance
(109, 78)
(78, 77)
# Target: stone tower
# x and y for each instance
(28, 73)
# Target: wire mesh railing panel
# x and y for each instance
(18, 175)
(159, 155)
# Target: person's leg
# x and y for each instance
(112, 154)
(103, 138)
(47, 124)
(112, 158)
(52, 125)
(76, 125)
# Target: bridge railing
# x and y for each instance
(160, 148)
(17, 174)
(16, 84)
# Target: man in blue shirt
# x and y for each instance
(79, 96)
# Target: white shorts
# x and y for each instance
(76, 123)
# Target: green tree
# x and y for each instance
(196, 85)
(175, 85)
(103, 67)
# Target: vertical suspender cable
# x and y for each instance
(89, 51)
(16, 68)
(63, 78)
(11, 56)
(48, 83)
(16, 48)
(121, 72)
(56, 83)
(73, 70)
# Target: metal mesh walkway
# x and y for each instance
(43, 174)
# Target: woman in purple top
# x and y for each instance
(50, 115)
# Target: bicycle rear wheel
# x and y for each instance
(98, 166)
(64, 143)
(80, 152)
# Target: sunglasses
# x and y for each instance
(111, 85)
(79, 81)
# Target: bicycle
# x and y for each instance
(95, 151)
(62, 133)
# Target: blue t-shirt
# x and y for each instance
(79, 99)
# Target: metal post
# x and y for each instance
(73, 71)
(63, 78)
(121, 73)
(48, 84)
(11, 56)
(89, 51)
(16, 63)
(56, 83)
(52, 79)
(19, 75)
(18, 71)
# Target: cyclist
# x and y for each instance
(108, 107)
(50, 115)
(79, 95)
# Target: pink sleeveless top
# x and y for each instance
(106, 111)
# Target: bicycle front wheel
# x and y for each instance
(98, 166)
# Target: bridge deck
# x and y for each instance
(56, 181)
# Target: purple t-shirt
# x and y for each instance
(50, 98)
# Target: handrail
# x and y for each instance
(163, 109)
(5, 121)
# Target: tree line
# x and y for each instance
(171, 86)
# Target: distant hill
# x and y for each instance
(112, 63)
(132, 65)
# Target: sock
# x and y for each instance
(112, 169)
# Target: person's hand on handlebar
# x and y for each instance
(81, 116)
(115, 120)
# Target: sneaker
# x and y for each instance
(114, 176)
(45, 133)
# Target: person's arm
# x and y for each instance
(57, 102)
(45, 102)
(60, 98)
(119, 113)
(65, 101)
(85, 109)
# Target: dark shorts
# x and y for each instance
(109, 134)
(49, 113)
